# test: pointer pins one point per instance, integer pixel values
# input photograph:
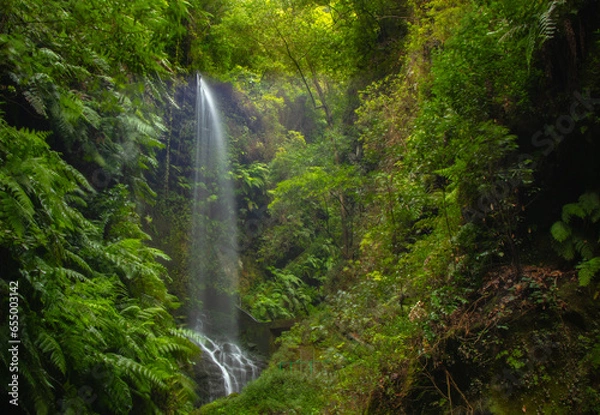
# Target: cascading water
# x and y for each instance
(214, 260)
(235, 368)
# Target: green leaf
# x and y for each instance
(49, 345)
(587, 270)
(572, 209)
(560, 231)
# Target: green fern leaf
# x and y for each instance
(36, 101)
(49, 345)
(587, 270)
(572, 209)
(590, 203)
(547, 22)
(79, 261)
(131, 311)
(41, 405)
(139, 372)
(188, 335)
(560, 231)
(119, 393)
(585, 249)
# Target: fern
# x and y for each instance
(572, 210)
(119, 392)
(49, 345)
(35, 100)
(137, 372)
(80, 262)
(538, 27)
(547, 21)
(187, 334)
(590, 203)
(167, 346)
(580, 238)
(587, 270)
(81, 309)
(560, 231)
(585, 248)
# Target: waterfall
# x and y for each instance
(214, 262)
(235, 368)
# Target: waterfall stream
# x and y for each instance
(214, 262)
(235, 367)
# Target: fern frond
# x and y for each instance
(590, 203)
(587, 270)
(187, 390)
(79, 261)
(49, 345)
(152, 313)
(72, 274)
(36, 101)
(170, 347)
(188, 335)
(585, 249)
(12, 222)
(21, 198)
(77, 177)
(139, 125)
(139, 372)
(91, 116)
(119, 393)
(560, 231)
(131, 311)
(570, 210)
(547, 21)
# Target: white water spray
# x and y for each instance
(235, 367)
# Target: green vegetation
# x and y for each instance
(79, 130)
(416, 184)
(274, 392)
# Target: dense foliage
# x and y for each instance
(81, 83)
(416, 184)
(414, 218)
